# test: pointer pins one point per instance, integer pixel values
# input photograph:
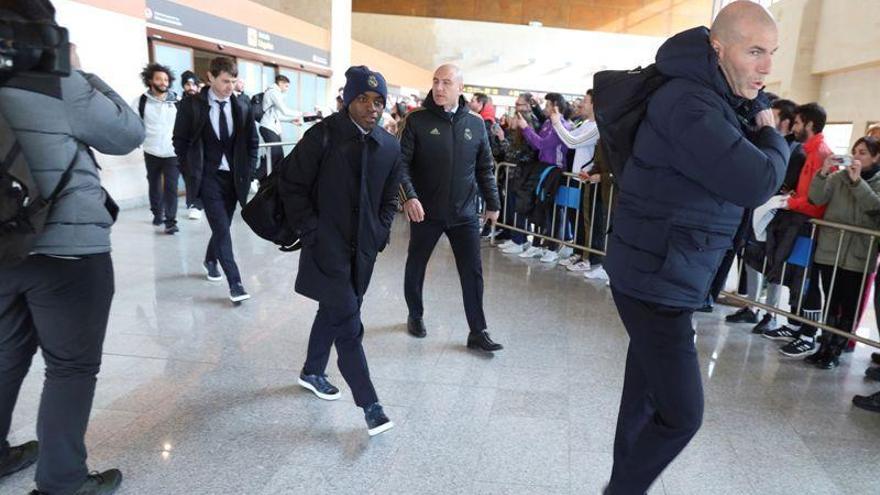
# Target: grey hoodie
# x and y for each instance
(53, 132)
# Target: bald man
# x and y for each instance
(707, 149)
(446, 162)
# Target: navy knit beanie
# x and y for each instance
(360, 79)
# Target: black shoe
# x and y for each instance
(875, 357)
(319, 386)
(873, 373)
(868, 403)
(829, 362)
(416, 327)
(482, 341)
(237, 293)
(784, 333)
(762, 325)
(171, 229)
(212, 271)
(105, 483)
(18, 458)
(157, 220)
(706, 309)
(377, 421)
(822, 354)
(744, 315)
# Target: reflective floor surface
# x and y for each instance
(197, 396)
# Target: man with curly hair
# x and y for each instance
(157, 106)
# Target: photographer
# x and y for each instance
(58, 299)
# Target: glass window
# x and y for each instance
(177, 58)
(252, 74)
(839, 137)
(268, 77)
(290, 132)
(321, 84)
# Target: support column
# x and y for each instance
(340, 46)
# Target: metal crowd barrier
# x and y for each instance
(264, 152)
(562, 212)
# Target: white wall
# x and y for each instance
(113, 46)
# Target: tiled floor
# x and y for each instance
(199, 397)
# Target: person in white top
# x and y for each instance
(157, 106)
(583, 140)
(276, 111)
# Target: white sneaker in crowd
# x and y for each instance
(533, 252)
(571, 260)
(581, 266)
(194, 213)
(516, 248)
(506, 244)
(550, 256)
(565, 252)
(597, 273)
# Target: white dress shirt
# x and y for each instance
(214, 115)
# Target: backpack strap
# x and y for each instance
(65, 177)
(142, 104)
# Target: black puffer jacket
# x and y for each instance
(447, 162)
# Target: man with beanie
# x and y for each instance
(446, 162)
(190, 85)
(339, 189)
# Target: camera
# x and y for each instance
(33, 46)
(843, 160)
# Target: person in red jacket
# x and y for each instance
(809, 121)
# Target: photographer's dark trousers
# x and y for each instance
(60, 306)
(465, 242)
(276, 153)
(339, 323)
(162, 176)
(661, 408)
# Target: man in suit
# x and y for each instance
(215, 139)
(339, 190)
(446, 162)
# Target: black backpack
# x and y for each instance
(257, 105)
(23, 210)
(264, 213)
(620, 101)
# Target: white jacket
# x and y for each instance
(275, 110)
(159, 119)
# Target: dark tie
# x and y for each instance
(224, 126)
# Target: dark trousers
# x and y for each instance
(592, 231)
(276, 153)
(661, 408)
(845, 296)
(162, 176)
(465, 241)
(60, 306)
(339, 323)
(219, 199)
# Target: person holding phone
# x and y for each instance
(851, 196)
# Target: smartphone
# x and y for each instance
(843, 160)
(311, 118)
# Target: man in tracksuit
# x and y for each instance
(157, 106)
(707, 149)
(447, 161)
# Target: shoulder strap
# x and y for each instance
(65, 177)
(142, 104)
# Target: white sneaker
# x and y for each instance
(194, 213)
(565, 252)
(506, 244)
(571, 260)
(532, 252)
(516, 248)
(598, 273)
(550, 256)
(581, 266)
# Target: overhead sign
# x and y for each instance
(165, 13)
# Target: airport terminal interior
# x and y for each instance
(200, 395)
